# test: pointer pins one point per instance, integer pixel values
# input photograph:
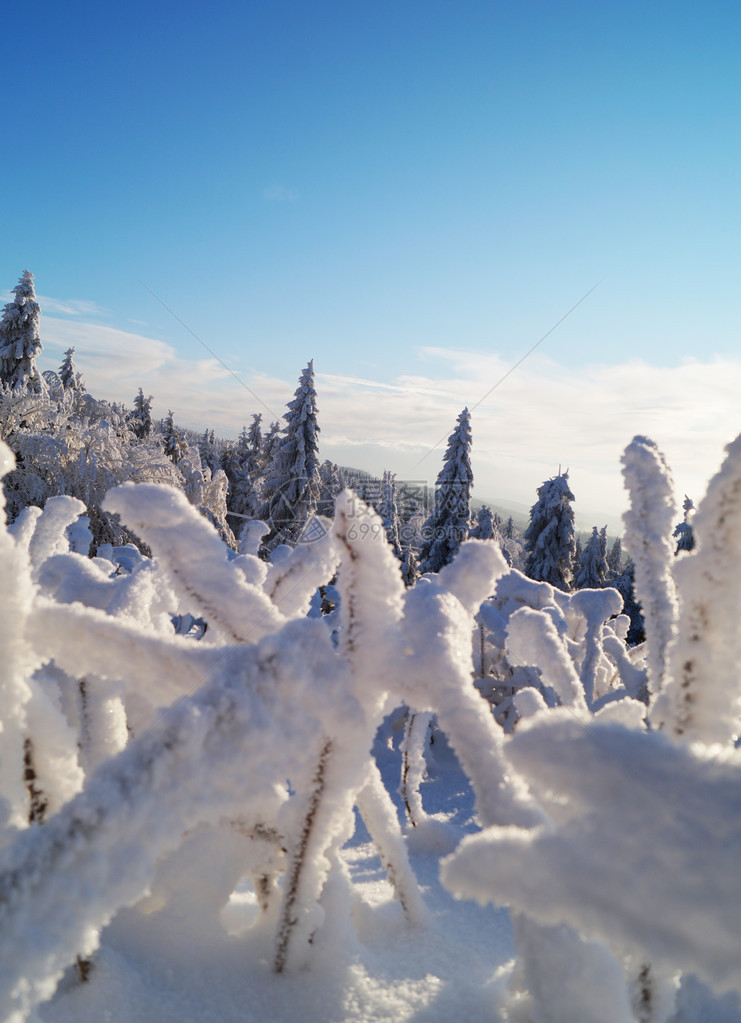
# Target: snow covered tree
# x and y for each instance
(578, 551)
(292, 479)
(370, 489)
(615, 557)
(250, 447)
(389, 512)
(487, 524)
(683, 532)
(270, 444)
(173, 441)
(592, 569)
(549, 539)
(244, 471)
(331, 484)
(20, 339)
(411, 520)
(210, 454)
(449, 522)
(625, 585)
(231, 463)
(141, 417)
(409, 567)
(254, 435)
(71, 380)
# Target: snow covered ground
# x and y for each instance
(151, 969)
(157, 968)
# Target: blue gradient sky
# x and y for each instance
(374, 184)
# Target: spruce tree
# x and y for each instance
(615, 557)
(20, 340)
(411, 521)
(292, 481)
(271, 441)
(684, 533)
(625, 585)
(244, 472)
(578, 551)
(409, 567)
(389, 511)
(174, 443)
(210, 456)
(549, 539)
(330, 484)
(254, 441)
(71, 380)
(486, 524)
(231, 462)
(141, 418)
(591, 570)
(449, 522)
(242, 446)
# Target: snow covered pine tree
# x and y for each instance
(592, 568)
(292, 481)
(486, 526)
(141, 417)
(683, 531)
(549, 539)
(174, 443)
(389, 512)
(448, 524)
(20, 339)
(70, 378)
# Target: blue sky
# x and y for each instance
(409, 193)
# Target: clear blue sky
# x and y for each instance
(357, 181)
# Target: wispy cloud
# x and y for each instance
(107, 351)
(70, 307)
(279, 193)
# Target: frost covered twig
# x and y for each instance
(379, 814)
(437, 630)
(194, 558)
(596, 607)
(20, 660)
(702, 701)
(648, 527)
(86, 641)
(371, 593)
(293, 904)
(532, 639)
(413, 745)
